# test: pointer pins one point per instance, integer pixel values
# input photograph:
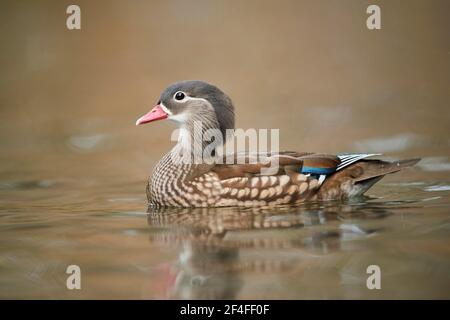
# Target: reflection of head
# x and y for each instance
(206, 272)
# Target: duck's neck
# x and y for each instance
(186, 160)
(197, 142)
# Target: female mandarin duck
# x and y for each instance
(299, 176)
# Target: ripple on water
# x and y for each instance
(24, 185)
(434, 164)
(406, 184)
(134, 199)
(441, 187)
(86, 142)
(131, 214)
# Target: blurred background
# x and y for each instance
(310, 68)
(69, 100)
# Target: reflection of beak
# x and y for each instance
(157, 113)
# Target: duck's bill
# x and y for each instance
(157, 113)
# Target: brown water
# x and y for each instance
(74, 167)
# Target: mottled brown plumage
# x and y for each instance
(299, 176)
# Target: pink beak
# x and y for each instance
(157, 113)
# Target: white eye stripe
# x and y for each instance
(195, 99)
(187, 98)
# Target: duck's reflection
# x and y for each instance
(219, 245)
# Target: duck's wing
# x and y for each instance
(246, 183)
(252, 164)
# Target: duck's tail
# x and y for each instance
(357, 178)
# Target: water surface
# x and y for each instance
(316, 250)
(73, 166)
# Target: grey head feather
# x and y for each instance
(222, 104)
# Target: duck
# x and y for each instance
(188, 176)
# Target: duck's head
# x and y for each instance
(188, 101)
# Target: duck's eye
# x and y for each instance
(179, 95)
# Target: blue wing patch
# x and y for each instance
(319, 171)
